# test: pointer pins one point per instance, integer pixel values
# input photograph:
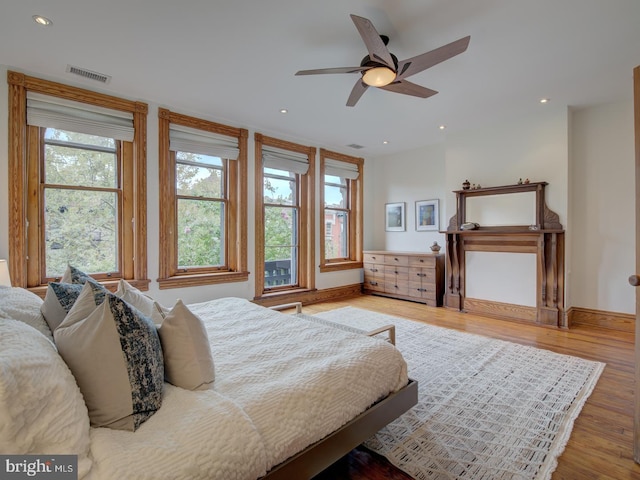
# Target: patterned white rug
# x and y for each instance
(487, 409)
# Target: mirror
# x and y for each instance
(502, 210)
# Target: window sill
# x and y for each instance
(335, 267)
(202, 279)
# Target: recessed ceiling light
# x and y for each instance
(284, 110)
(442, 127)
(385, 142)
(40, 20)
(544, 100)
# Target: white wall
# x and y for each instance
(534, 148)
(603, 214)
(409, 177)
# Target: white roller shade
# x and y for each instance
(53, 112)
(341, 169)
(193, 140)
(285, 160)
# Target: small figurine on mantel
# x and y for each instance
(526, 181)
(435, 248)
(520, 181)
(466, 185)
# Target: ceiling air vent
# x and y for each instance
(83, 72)
(356, 146)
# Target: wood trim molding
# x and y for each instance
(308, 297)
(623, 322)
(17, 172)
(502, 311)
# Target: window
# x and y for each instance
(79, 195)
(341, 200)
(284, 216)
(202, 202)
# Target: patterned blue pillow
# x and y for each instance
(76, 275)
(115, 355)
(143, 353)
(60, 297)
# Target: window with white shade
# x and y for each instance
(73, 177)
(202, 201)
(284, 216)
(341, 201)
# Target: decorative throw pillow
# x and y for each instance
(188, 362)
(74, 275)
(41, 408)
(116, 358)
(23, 305)
(60, 297)
(142, 302)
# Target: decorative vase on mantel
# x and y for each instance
(435, 248)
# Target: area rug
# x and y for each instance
(487, 409)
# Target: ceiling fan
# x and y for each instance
(382, 69)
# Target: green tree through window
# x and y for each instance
(81, 192)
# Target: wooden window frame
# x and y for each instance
(25, 258)
(355, 226)
(306, 195)
(235, 215)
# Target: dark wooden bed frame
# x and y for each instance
(320, 455)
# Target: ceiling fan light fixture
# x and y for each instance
(378, 76)
(40, 20)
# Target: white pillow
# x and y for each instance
(115, 355)
(41, 408)
(20, 304)
(142, 302)
(188, 362)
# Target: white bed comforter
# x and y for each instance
(281, 384)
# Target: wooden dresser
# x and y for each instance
(414, 276)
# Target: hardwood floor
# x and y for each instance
(601, 444)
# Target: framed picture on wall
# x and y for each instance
(394, 217)
(427, 215)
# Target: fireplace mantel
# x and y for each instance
(544, 238)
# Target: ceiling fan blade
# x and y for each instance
(332, 70)
(417, 64)
(408, 88)
(358, 89)
(377, 49)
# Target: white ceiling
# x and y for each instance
(234, 61)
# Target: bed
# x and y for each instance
(289, 398)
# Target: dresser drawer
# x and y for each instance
(373, 258)
(396, 260)
(373, 269)
(422, 275)
(396, 270)
(422, 261)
